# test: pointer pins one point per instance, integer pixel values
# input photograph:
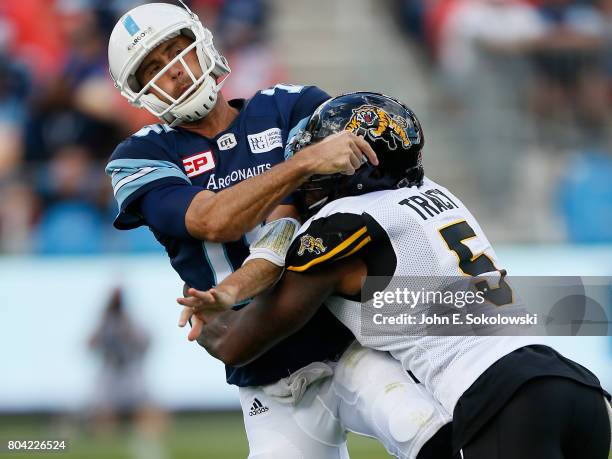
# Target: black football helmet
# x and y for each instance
(390, 127)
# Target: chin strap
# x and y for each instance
(191, 13)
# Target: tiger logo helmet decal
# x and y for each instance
(376, 123)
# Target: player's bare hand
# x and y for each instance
(186, 314)
(342, 152)
(207, 303)
(202, 306)
(197, 323)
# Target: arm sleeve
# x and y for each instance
(326, 240)
(163, 208)
(137, 167)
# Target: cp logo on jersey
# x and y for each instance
(307, 242)
(199, 163)
(378, 124)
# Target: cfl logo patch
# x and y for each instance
(227, 141)
(199, 163)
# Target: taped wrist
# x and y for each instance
(274, 240)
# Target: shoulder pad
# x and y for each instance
(283, 89)
(153, 129)
(326, 240)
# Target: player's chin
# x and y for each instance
(189, 88)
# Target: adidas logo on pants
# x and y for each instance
(257, 408)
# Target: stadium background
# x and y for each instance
(515, 100)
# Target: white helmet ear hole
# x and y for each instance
(188, 33)
(133, 84)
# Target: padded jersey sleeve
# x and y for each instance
(328, 239)
(308, 101)
(136, 167)
(164, 207)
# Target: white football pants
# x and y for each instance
(369, 394)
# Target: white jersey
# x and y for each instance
(432, 236)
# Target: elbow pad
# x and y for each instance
(273, 241)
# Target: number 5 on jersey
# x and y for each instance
(472, 265)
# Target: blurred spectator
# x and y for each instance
(241, 31)
(71, 222)
(571, 22)
(56, 122)
(11, 149)
(571, 86)
(436, 14)
(86, 57)
(474, 27)
(411, 14)
(85, 74)
(19, 208)
(122, 346)
(70, 175)
(121, 392)
(14, 90)
(69, 228)
(38, 37)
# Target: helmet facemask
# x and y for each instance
(181, 105)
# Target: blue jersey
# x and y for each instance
(157, 172)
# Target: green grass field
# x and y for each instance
(187, 436)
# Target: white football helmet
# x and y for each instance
(141, 30)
